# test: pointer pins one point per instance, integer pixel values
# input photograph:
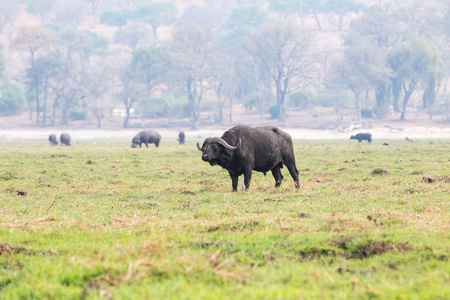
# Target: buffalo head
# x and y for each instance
(135, 142)
(213, 149)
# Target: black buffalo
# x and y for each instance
(181, 137)
(362, 136)
(65, 139)
(242, 149)
(146, 137)
(52, 139)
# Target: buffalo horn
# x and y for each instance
(226, 145)
(199, 148)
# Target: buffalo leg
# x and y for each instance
(234, 181)
(146, 144)
(276, 172)
(247, 178)
(294, 173)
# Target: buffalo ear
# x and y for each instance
(226, 155)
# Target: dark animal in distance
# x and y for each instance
(362, 136)
(385, 144)
(243, 149)
(52, 139)
(147, 137)
(181, 137)
(65, 139)
(409, 140)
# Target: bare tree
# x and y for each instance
(285, 51)
(191, 50)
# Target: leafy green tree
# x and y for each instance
(41, 7)
(299, 99)
(374, 32)
(362, 67)
(91, 43)
(11, 97)
(133, 35)
(33, 40)
(379, 26)
(413, 61)
(285, 51)
(154, 13)
(116, 17)
(242, 20)
(151, 64)
(246, 17)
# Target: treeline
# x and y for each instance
(179, 58)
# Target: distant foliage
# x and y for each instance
(78, 115)
(40, 7)
(366, 113)
(251, 101)
(273, 111)
(154, 107)
(116, 17)
(299, 99)
(11, 97)
(333, 97)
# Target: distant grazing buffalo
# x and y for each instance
(362, 136)
(242, 149)
(65, 139)
(52, 139)
(147, 137)
(409, 139)
(181, 137)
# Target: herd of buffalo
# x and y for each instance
(241, 150)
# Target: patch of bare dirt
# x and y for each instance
(444, 178)
(7, 249)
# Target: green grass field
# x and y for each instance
(107, 221)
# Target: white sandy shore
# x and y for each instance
(21, 134)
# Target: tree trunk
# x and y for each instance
(128, 104)
(316, 17)
(280, 102)
(358, 106)
(38, 109)
(408, 93)
(99, 121)
(396, 88)
(380, 96)
(55, 104)
(191, 96)
(154, 28)
(44, 105)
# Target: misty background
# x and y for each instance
(194, 63)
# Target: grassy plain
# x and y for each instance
(107, 221)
